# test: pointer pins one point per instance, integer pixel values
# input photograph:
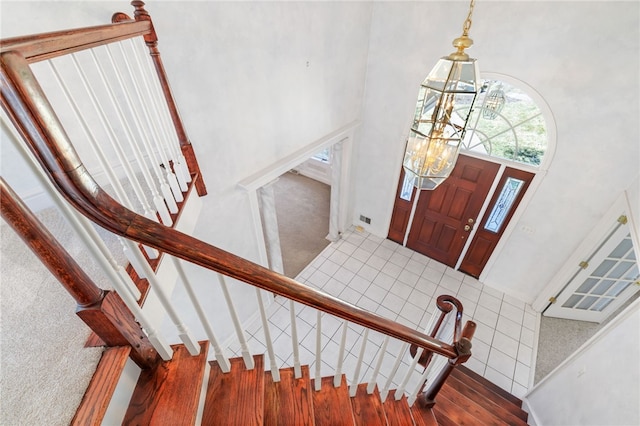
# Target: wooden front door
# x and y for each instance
(511, 188)
(445, 216)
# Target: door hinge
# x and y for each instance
(584, 264)
(622, 219)
(553, 300)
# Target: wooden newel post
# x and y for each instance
(151, 40)
(427, 399)
(103, 311)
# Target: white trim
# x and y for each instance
(254, 182)
(266, 175)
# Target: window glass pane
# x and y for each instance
(407, 187)
(322, 155)
(587, 285)
(622, 249)
(603, 287)
(618, 288)
(633, 275)
(586, 302)
(620, 269)
(603, 268)
(602, 303)
(503, 204)
(571, 302)
(506, 123)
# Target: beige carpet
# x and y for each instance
(302, 207)
(44, 367)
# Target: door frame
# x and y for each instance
(622, 205)
(539, 174)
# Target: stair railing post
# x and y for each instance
(427, 399)
(103, 311)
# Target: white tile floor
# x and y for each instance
(384, 277)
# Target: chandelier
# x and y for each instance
(444, 105)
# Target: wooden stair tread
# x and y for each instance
(367, 408)
(492, 401)
(331, 405)
(463, 410)
(170, 392)
(237, 397)
(461, 370)
(423, 416)
(397, 411)
(103, 383)
(289, 401)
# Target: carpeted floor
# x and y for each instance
(45, 368)
(302, 207)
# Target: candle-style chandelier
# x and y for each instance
(444, 105)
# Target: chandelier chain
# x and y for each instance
(467, 23)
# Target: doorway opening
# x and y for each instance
(302, 208)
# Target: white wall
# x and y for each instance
(582, 58)
(599, 384)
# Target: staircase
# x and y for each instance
(174, 393)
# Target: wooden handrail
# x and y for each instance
(33, 116)
(39, 47)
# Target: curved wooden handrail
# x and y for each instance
(33, 116)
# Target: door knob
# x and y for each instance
(467, 228)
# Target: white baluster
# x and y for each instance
(95, 146)
(163, 139)
(246, 355)
(275, 372)
(144, 136)
(157, 341)
(151, 128)
(337, 378)
(115, 141)
(318, 377)
(167, 121)
(385, 389)
(354, 383)
(221, 357)
(297, 369)
(374, 375)
(158, 201)
(187, 338)
(410, 371)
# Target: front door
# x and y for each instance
(445, 216)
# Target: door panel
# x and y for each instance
(441, 223)
(401, 209)
(511, 188)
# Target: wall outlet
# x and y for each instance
(365, 219)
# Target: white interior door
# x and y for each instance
(605, 280)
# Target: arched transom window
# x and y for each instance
(506, 123)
